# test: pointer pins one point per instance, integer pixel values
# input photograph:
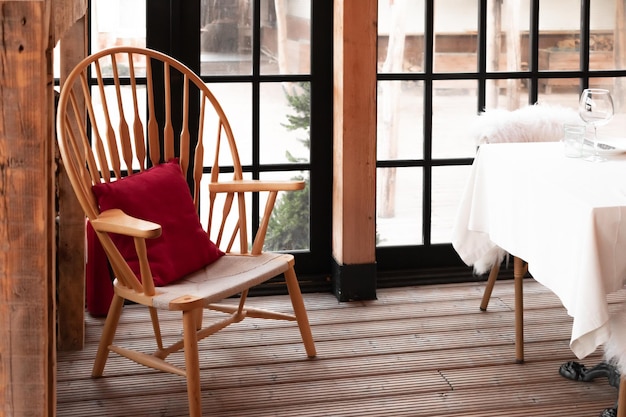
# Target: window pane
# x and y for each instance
(236, 100)
(558, 59)
(558, 85)
(285, 116)
(507, 35)
(56, 61)
(604, 35)
(559, 35)
(454, 106)
(400, 36)
(615, 128)
(218, 215)
(399, 206)
(456, 42)
(567, 97)
(286, 36)
(448, 186)
(114, 114)
(289, 226)
(400, 120)
(117, 22)
(225, 37)
(507, 94)
(123, 66)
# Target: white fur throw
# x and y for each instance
(495, 256)
(537, 123)
(615, 348)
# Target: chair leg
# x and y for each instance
(199, 312)
(156, 327)
(300, 312)
(192, 363)
(108, 333)
(519, 270)
(493, 276)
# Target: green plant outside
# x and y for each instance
(289, 225)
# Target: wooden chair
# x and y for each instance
(535, 123)
(123, 146)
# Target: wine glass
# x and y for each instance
(596, 109)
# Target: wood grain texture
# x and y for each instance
(26, 212)
(66, 13)
(71, 240)
(415, 351)
(354, 166)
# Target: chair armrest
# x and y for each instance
(254, 186)
(240, 187)
(116, 221)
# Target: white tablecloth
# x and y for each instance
(566, 217)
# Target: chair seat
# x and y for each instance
(229, 275)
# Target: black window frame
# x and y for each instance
(429, 263)
(173, 27)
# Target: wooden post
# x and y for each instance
(27, 212)
(27, 352)
(354, 164)
(619, 52)
(71, 239)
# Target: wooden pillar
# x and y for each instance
(27, 352)
(354, 164)
(71, 239)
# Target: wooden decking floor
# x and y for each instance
(415, 351)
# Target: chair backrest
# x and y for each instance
(120, 134)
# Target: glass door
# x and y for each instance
(270, 66)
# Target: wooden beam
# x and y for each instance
(27, 359)
(354, 187)
(66, 12)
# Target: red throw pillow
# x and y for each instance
(160, 195)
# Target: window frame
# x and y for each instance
(428, 262)
(170, 21)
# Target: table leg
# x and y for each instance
(621, 400)
(519, 270)
(491, 281)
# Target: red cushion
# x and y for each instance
(161, 195)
